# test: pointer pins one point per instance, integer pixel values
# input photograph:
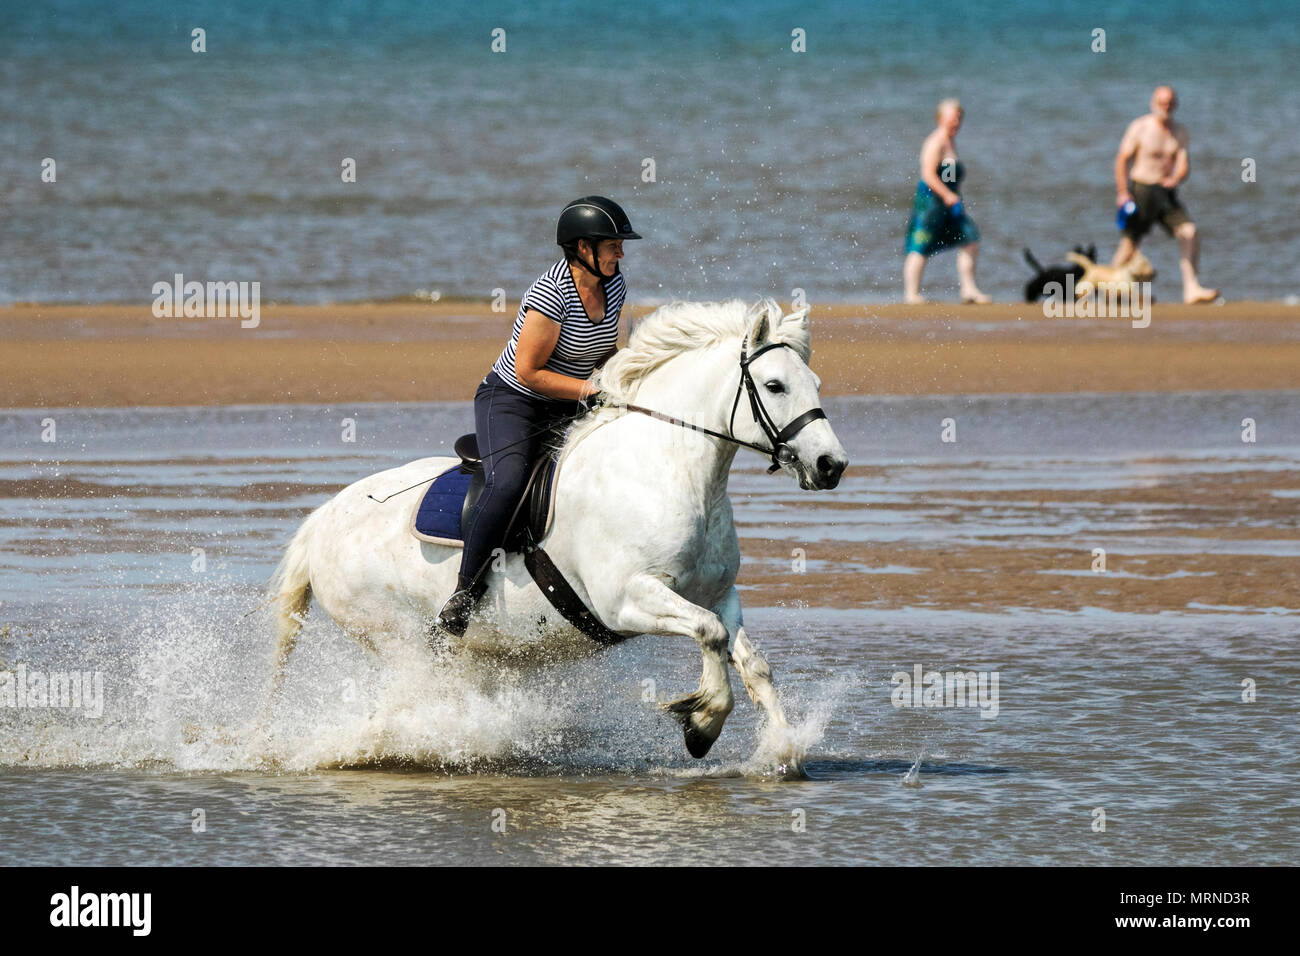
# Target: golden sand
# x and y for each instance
(97, 355)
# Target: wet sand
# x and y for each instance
(997, 579)
(121, 355)
(1202, 546)
(1200, 540)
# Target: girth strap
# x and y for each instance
(565, 600)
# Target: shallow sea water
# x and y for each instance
(368, 761)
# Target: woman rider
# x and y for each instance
(567, 325)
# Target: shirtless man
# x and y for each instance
(938, 220)
(1156, 147)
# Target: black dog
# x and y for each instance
(1035, 286)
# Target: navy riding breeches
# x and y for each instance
(510, 427)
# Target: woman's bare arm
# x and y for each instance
(533, 350)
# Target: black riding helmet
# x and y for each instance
(592, 218)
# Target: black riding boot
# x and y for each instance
(455, 615)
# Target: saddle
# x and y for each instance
(443, 511)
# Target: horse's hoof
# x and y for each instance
(697, 744)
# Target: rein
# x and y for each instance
(780, 453)
(693, 427)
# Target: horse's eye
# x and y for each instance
(775, 387)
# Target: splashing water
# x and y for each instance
(913, 776)
(186, 688)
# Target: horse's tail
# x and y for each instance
(291, 595)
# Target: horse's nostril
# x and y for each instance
(826, 464)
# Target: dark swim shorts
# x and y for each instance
(1155, 204)
(935, 227)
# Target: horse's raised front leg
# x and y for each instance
(750, 663)
(652, 607)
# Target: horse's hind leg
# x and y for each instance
(652, 607)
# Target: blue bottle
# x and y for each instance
(1124, 213)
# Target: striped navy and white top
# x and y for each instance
(582, 341)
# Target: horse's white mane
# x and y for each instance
(677, 328)
(682, 326)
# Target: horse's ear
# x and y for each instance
(763, 316)
(798, 317)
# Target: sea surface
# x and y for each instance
(772, 169)
(137, 544)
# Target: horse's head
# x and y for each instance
(775, 393)
(787, 393)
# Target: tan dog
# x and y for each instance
(1107, 279)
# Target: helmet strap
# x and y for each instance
(594, 269)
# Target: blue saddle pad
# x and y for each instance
(439, 512)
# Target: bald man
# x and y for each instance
(1155, 147)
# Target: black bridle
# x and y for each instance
(780, 451)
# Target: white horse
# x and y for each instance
(642, 526)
